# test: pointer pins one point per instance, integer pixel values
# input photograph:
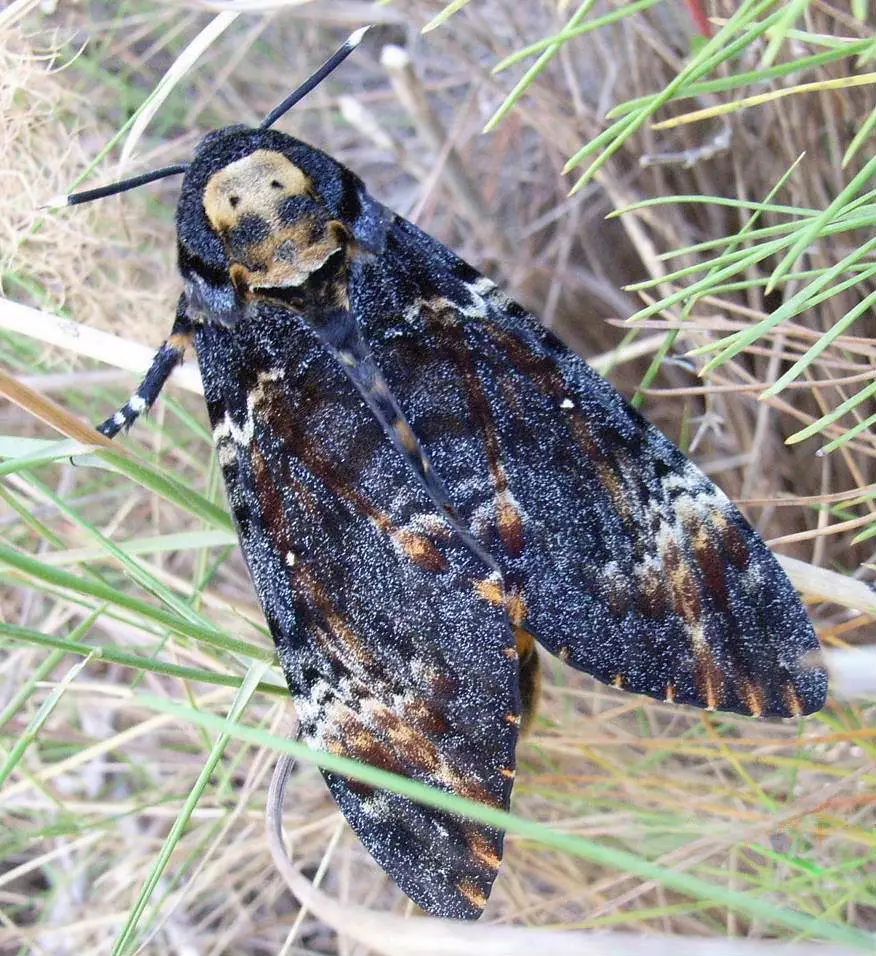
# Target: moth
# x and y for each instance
(426, 484)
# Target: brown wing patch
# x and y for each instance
(793, 701)
(482, 849)
(754, 697)
(420, 550)
(471, 892)
(493, 590)
(709, 676)
(509, 520)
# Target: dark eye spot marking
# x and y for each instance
(276, 184)
(234, 201)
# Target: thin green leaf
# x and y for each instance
(815, 228)
(741, 236)
(743, 204)
(833, 415)
(745, 260)
(70, 645)
(137, 571)
(155, 544)
(808, 297)
(710, 56)
(863, 134)
(792, 12)
(454, 7)
(41, 572)
(866, 534)
(829, 337)
(35, 724)
(540, 65)
(627, 10)
(760, 99)
(161, 484)
(846, 437)
(245, 692)
(594, 145)
(765, 232)
(25, 453)
(726, 84)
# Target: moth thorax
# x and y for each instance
(255, 186)
(275, 231)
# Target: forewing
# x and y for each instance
(393, 656)
(620, 555)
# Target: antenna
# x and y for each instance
(87, 195)
(331, 64)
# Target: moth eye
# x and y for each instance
(276, 184)
(234, 201)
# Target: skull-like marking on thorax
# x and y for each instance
(275, 230)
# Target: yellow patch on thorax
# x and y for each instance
(254, 186)
(270, 250)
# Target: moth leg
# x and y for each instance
(529, 679)
(166, 359)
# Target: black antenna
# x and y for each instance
(74, 199)
(332, 63)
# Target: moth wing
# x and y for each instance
(624, 559)
(391, 653)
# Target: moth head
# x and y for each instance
(260, 210)
(262, 213)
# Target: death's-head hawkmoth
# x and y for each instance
(426, 482)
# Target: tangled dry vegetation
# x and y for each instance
(96, 786)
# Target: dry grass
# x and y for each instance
(98, 779)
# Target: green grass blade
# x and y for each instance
(815, 228)
(740, 263)
(162, 484)
(571, 33)
(741, 236)
(829, 337)
(454, 7)
(746, 205)
(863, 134)
(70, 645)
(245, 692)
(792, 12)
(846, 437)
(47, 575)
(36, 723)
(540, 65)
(710, 56)
(809, 296)
(833, 415)
(867, 533)
(154, 544)
(37, 452)
(727, 84)
(136, 570)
